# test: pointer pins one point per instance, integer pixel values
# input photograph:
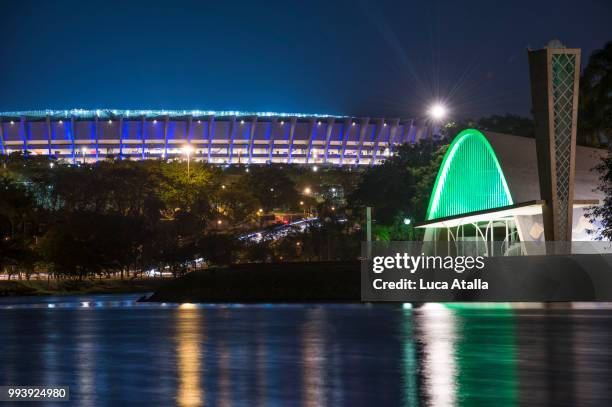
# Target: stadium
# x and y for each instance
(215, 137)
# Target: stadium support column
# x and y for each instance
(252, 138)
(2, 138)
(72, 138)
(22, 129)
(166, 136)
(311, 134)
(291, 138)
(363, 130)
(211, 130)
(273, 125)
(555, 73)
(96, 136)
(230, 139)
(380, 127)
(143, 133)
(189, 129)
(121, 137)
(48, 126)
(328, 133)
(346, 132)
(393, 133)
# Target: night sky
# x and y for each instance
(358, 57)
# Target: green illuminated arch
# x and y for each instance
(470, 178)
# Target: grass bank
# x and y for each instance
(276, 282)
(72, 287)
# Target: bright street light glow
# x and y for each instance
(437, 111)
(187, 149)
(307, 190)
(406, 221)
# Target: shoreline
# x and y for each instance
(299, 282)
(25, 288)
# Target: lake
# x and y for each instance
(112, 351)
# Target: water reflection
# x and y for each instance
(409, 360)
(569, 354)
(311, 355)
(189, 340)
(436, 332)
(86, 353)
(485, 356)
(224, 390)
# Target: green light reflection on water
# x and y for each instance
(486, 354)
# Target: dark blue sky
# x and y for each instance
(355, 57)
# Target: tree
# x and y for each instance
(237, 203)
(401, 185)
(17, 255)
(272, 187)
(508, 124)
(84, 243)
(595, 103)
(601, 216)
(17, 207)
(189, 193)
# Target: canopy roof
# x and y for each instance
(487, 176)
(487, 215)
(517, 158)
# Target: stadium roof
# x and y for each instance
(112, 113)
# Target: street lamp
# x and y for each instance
(437, 111)
(188, 149)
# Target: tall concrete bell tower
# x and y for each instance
(555, 74)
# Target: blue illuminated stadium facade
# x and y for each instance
(215, 137)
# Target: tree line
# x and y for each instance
(122, 217)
